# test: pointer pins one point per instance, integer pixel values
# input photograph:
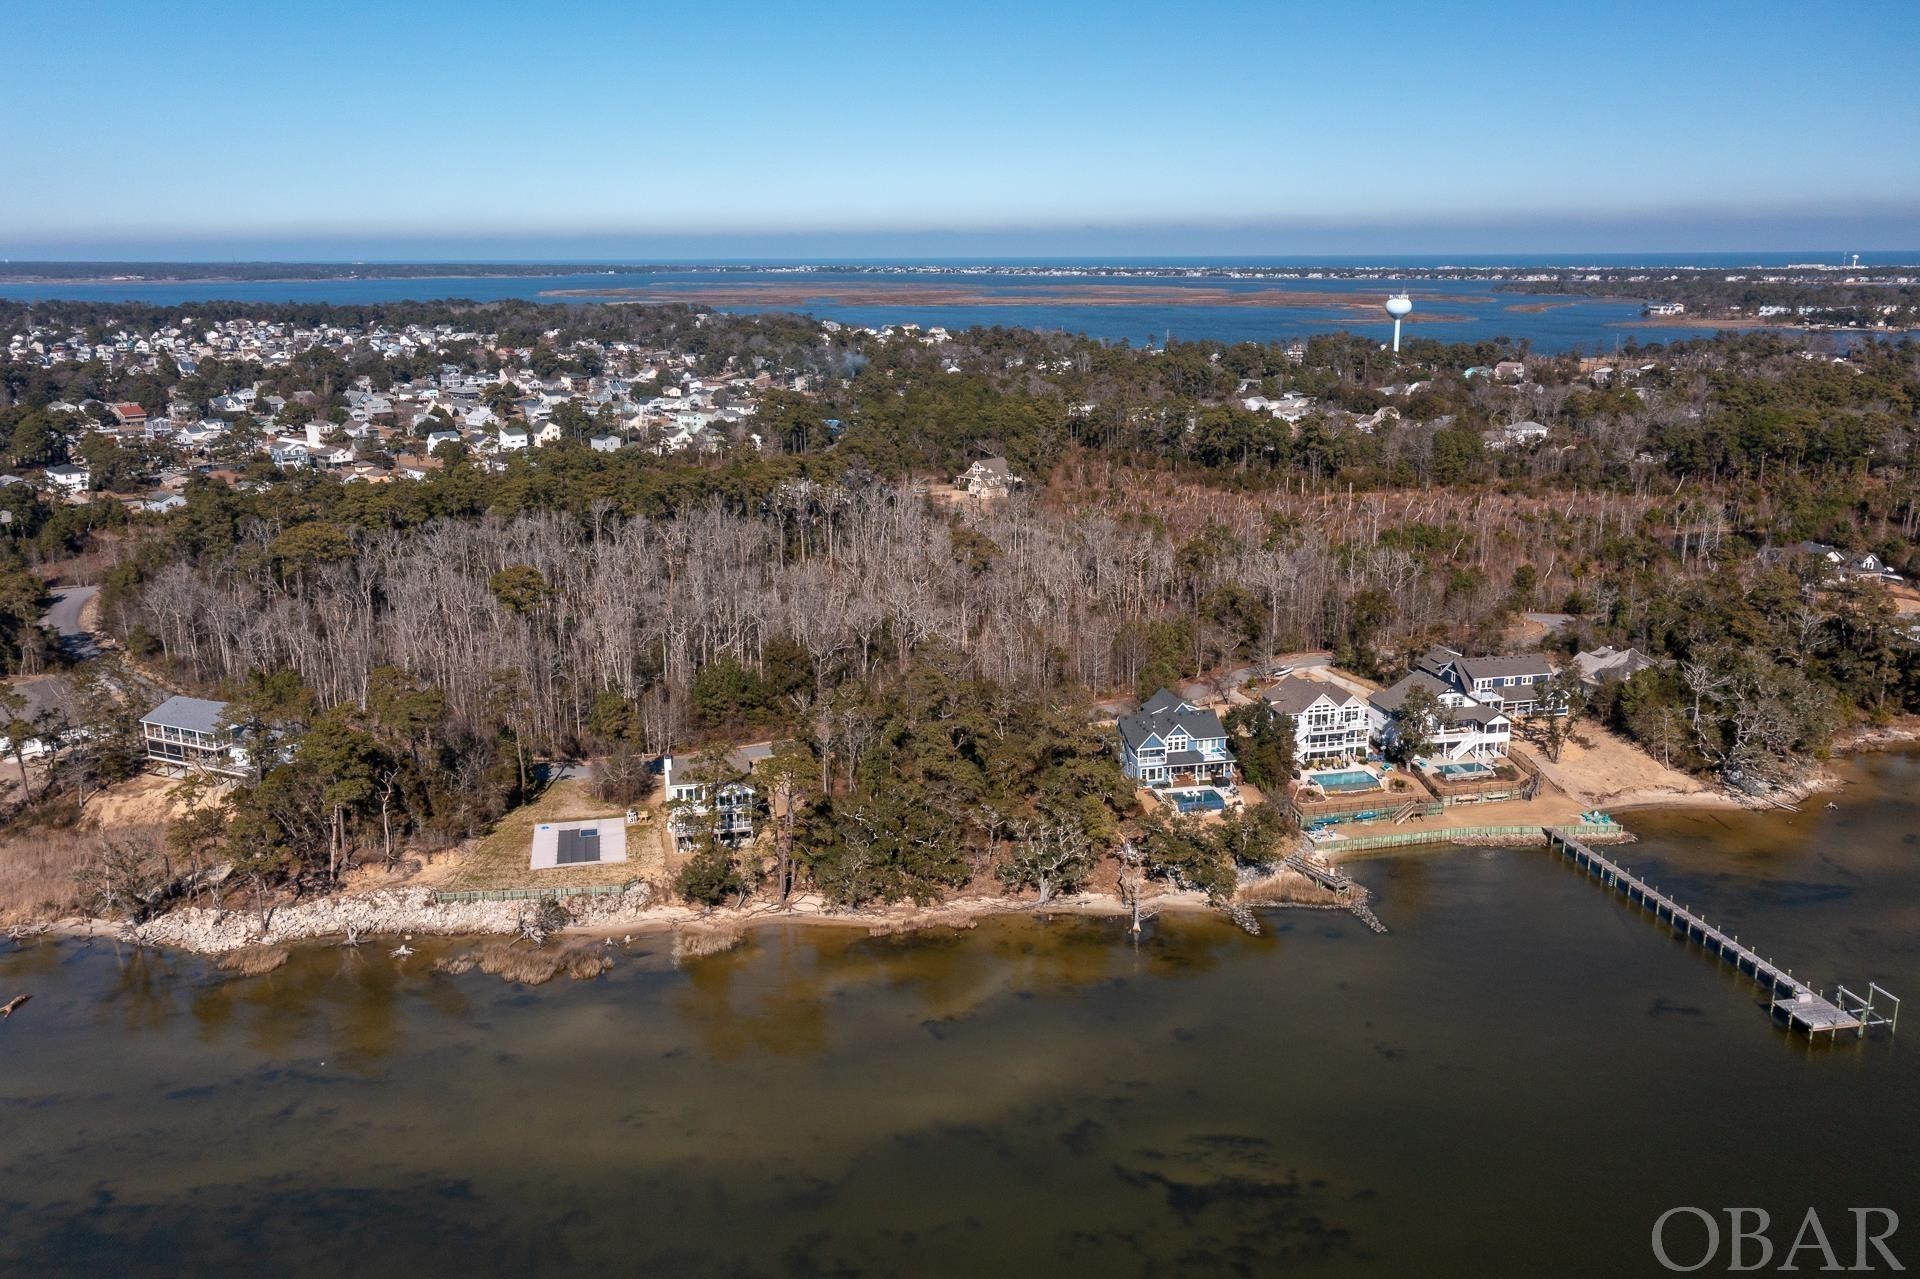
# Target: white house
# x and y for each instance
(512, 439)
(1328, 720)
(989, 477)
(70, 479)
(1468, 729)
(731, 806)
(1514, 685)
(190, 734)
(1171, 740)
(286, 453)
(160, 501)
(1514, 435)
(605, 443)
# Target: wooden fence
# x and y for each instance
(530, 894)
(1602, 831)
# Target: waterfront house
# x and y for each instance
(729, 808)
(1328, 721)
(1515, 685)
(1170, 741)
(190, 735)
(1468, 728)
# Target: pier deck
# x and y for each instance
(1799, 1004)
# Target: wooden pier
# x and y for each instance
(1357, 899)
(1320, 872)
(1793, 1000)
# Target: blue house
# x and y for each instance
(1172, 742)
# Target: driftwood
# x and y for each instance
(12, 1005)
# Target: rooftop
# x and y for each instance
(193, 714)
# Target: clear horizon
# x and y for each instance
(470, 132)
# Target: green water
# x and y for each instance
(1515, 1081)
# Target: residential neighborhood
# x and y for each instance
(651, 399)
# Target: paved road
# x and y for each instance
(64, 618)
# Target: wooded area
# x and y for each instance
(418, 644)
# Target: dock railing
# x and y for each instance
(1801, 1005)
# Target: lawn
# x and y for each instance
(499, 858)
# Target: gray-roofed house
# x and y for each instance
(989, 477)
(1514, 435)
(1605, 665)
(729, 808)
(1830, 561)
(1328, 720)
(190, 734)
(1468, 729)
(1171, 741)
(1516, 685)
(47, 709)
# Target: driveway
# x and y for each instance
(63, 618)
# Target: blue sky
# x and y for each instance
(495, 130)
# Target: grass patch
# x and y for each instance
(696, 940)
(253, 961)
(38, 864)
(528, 966)
(1288, 888)
(499, 858)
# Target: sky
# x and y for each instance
(481, 130)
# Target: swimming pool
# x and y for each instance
(1464, 771)
(1351, 779)
(1197, 801)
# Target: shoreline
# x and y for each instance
(404, 912)
(411, 913)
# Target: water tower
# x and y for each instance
(1397, 306)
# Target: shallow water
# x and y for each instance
(1516, 1080)
(1447, 310)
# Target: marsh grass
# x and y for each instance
(39, 865)
(697, 940)
(253, 961)
(527, 965)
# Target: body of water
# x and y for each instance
(1445, 310)
(1518, 1079)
